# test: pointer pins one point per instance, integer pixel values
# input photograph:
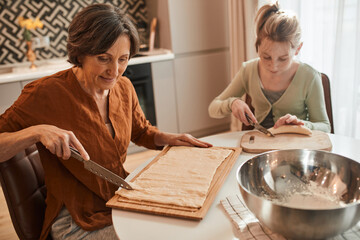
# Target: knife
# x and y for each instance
(100, 170)
(258, 126)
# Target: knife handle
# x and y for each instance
(76, 154)
(249, 119)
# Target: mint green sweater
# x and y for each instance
(303, 98)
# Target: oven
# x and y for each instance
(141, 77)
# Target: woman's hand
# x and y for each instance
(57, 141)
(239, 108)
(288, 119)
(173, 139)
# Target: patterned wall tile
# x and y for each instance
(56, 16)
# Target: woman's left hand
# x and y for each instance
(288, 119)
(174, 139)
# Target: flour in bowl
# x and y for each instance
(312, 197)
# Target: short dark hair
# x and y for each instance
(96, 28)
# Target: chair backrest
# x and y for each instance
(327, 96)
(22, 181)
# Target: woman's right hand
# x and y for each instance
(58, 140)
(239, 108)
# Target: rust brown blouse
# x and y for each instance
(59, 100)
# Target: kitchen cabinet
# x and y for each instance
(9, 92)
(199, 79)
(199, 25)
(164, 96)
(197, 33)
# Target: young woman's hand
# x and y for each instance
(239, 108)
(288, 119)
(183, 139)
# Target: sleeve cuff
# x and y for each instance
(230, 102)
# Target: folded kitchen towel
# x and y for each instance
(248, 226)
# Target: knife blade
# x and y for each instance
(258, 127)
(100, 170)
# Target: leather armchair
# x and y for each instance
(22, 181)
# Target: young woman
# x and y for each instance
(283, 90)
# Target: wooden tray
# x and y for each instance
(257, 142)
(175, 211)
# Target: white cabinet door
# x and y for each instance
(9, 92)
(198, 25)
(164, 96)
(199, 79)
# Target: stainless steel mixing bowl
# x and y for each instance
(302, 194)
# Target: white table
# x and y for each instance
(216, 224)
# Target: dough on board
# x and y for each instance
(181, 177)
(299, 129)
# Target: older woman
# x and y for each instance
(92, 108)
(283, 89)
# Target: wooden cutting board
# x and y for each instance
(174, 211)
(257, 142)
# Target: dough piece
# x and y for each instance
(181, 177)
(299, 129)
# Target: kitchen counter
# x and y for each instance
(22, 72)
